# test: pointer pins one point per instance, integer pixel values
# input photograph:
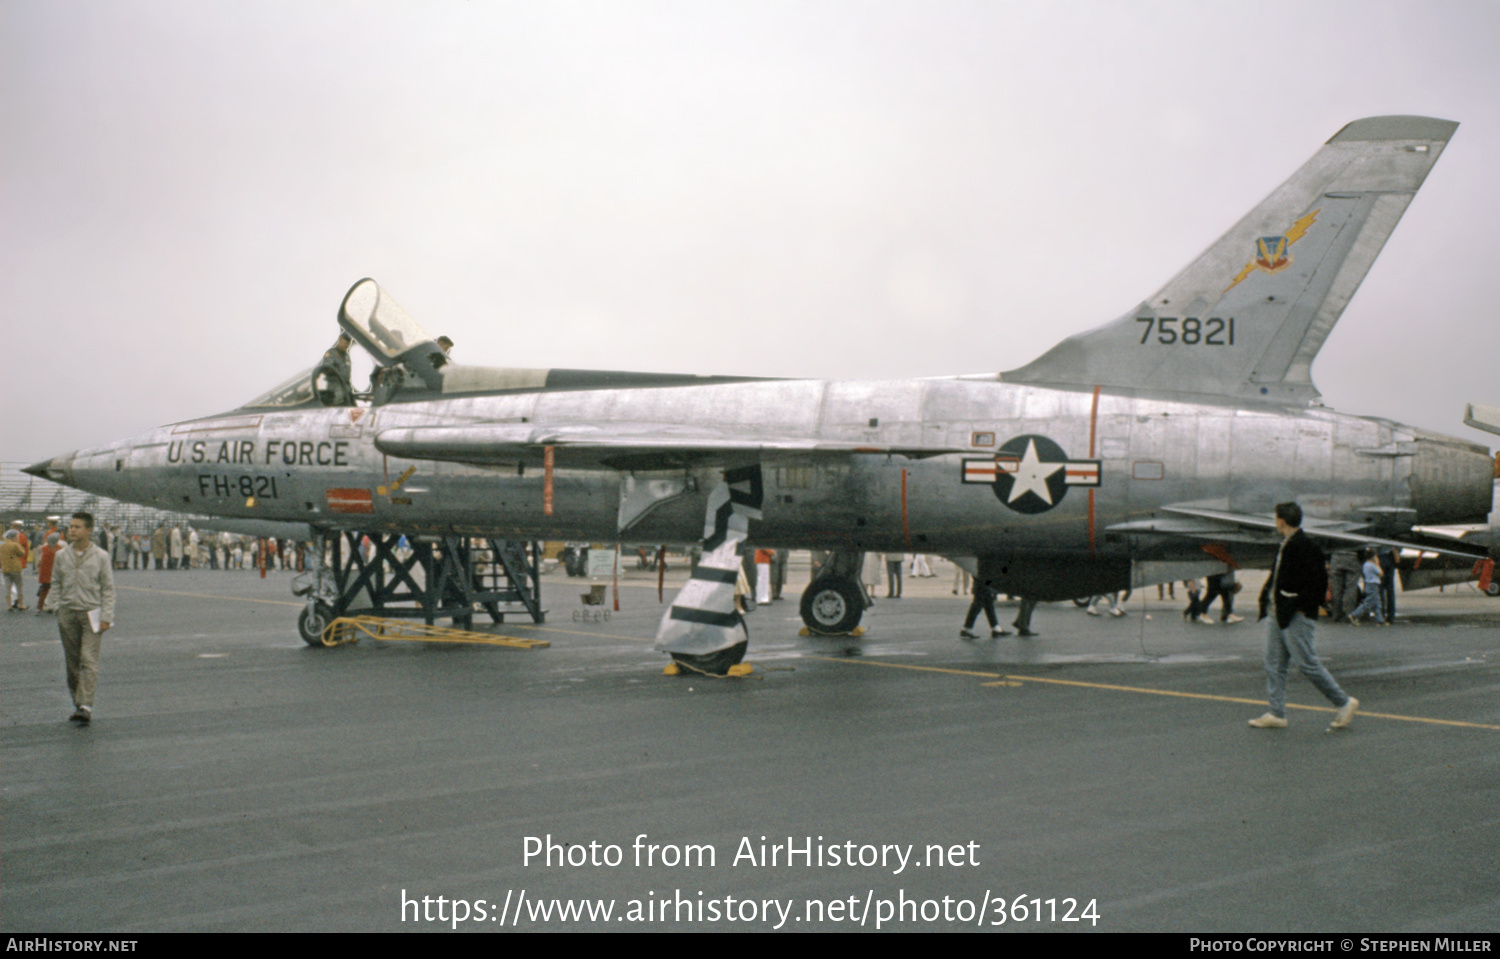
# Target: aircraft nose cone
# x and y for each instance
(57, 469)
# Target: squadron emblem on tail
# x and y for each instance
(1271, 252)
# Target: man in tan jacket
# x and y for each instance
(84, 583)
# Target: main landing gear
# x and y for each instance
(447, 577)
(833, 605)
(834, 602)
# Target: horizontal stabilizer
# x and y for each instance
(1485, 418)
(1248, 316)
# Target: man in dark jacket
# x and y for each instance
(1293, 593)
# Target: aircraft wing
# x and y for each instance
(617, 446)
(1197, 527)
(1223, 525)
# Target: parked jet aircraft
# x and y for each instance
(1150, 449)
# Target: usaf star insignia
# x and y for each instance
(1031, 474)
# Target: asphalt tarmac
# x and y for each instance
(1102, 775)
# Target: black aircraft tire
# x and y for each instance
(715, 663)
(311, 622)
(1493, 589)
(832, 604)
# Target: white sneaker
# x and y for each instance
(1092, 611)
(1202, 620)
(1116, 611)
(1231, 619)
(1345, 715)
(1270, 721)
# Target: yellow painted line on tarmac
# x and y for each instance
(1405, 719)
(237, 599)
(995, 679)
(1161, 692)
(998, 679)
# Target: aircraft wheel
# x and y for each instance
(716, 663)
(311, 622)
(1493, 589)
(832, 604)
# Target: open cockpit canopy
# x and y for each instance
(410, 366)
(389, 334)
(406, 358)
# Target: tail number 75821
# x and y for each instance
(1188, 330)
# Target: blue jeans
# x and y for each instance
(1294, 644)
(1370, 604)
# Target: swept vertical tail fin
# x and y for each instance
(1247, 317)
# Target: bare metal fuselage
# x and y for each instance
(321, 466)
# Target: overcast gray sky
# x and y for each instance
(830, 189)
